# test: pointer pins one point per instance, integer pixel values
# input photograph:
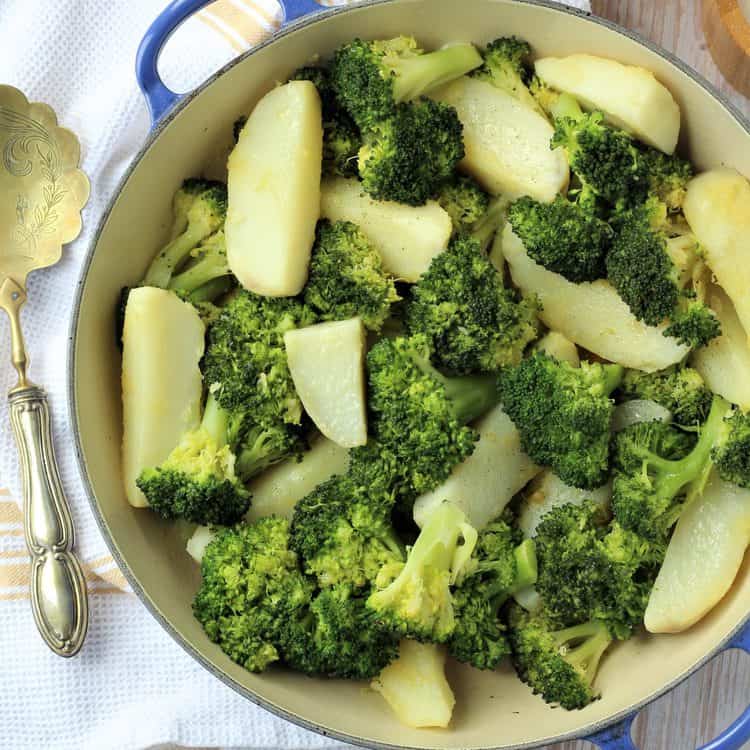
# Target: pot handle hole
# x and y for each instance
(618, 737)
(159, 97)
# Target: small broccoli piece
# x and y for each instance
(693, 324)
(203, 204)
(563, 414)
(471, 320)
(559, 665)
(252, 590)
(563, 236)
(414, 598)
(372, 78)
(418, 416)
(668, 176)
(679, 389)
(210, 264)
(465, 201)
(407, 157)
(198, 481)
(347, 277)
(657, 467)
(732, 456)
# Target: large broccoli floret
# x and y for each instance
(679, 389)
(657, 466)
(560, 665)
(198, 481)
(564, 236)
(732, 457)
(418, 416)
(563, 414)
(372, 78)
(252, 590)
(465, 201)
(472, 321)
(347, 277)
(406, 157)
(414, 598)
(200, 207)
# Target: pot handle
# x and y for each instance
(159, 98)
(733, 738)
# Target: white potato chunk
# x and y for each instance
(559, 347)
(274, 191)
(717, 207)
(327, 363)
(196, 545)
(162, 344)
(725, 362)
(415, 686)
(407, 237)
(703, 558)
(638, 410)
(486, 481)
(507, 143)
(591, 314)
(630, 97)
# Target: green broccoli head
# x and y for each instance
(559, 665)
(252, 589)
(563, 236)
(679, 389)
(407, 157)
(563, 414)
(347, 278)
(372, 78)
(732, 456)
(667, 175)
(472, 321)
(693, 323)
(464, 200)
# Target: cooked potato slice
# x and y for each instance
(196, 545)
(591, 314)
(415, 685)
(485, 482)
(717, 207)
(559, 347)
(327, 366)
(162, 344)
(725, 362)
(407, 237)
(507, 143)
(629, 96)
(703, 557)
(274, 191)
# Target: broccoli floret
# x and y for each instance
(679, 389)
(668, 176)
(505, 68)
(198, 481)
(407, 157)
(210, 264)
(471, 320)
(418, 416)
(465, 202)
(347, 277)
(559, 665)
(732, 457)
(200, 207)
(656, 468)
(372, 78)
(563, 414)
(252, 590)
(414, 598)
(693, 324)
(564, 236)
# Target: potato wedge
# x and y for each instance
(717, 207)
(703, 557)
(485, 482)
(629, 96)
(507, 143)
(162, 344)
(592, 314)
(559, 347)
(327, 366)
(725, 362)
(415, 686)
(274, 191)
(407, 237)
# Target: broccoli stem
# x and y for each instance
(216, 421)
(486, 227)
(422, 73)
(211, 290)
(172, 256)
(526, 565)
(211, 267)
(613, 375)
(594, 640)
(566, 106)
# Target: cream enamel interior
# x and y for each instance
(492, 709)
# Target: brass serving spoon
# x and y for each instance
(42, 192)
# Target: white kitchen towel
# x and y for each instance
(131, 686)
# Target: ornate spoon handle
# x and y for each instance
(58, 588)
